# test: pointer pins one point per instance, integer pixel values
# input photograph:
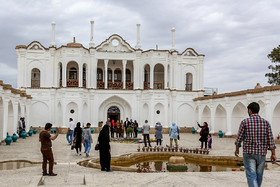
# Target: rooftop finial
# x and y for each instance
(74, 39)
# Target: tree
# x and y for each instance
(274, 76)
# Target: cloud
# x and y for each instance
(235, 36)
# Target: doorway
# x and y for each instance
(113, 113)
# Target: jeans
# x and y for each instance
(87, 145)
(147, 136)
(69, 134)
(254, 166)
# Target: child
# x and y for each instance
(209, 141)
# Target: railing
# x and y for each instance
(146, 85)
(84, 83)
(100, 84)
(115, 85)
(188, 87)
(60, 83)
(72, 83)
(158, 85)
(35, 83)
(129, 85)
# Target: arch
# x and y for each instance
(121, 103)
(206, 116)
(60, 74)
(239, 113)
(85, 74)
(72, 74)
(147, 76)
(159, 114)
(38, 65)
(117, 75)
(59, 117)
(1, 119)
(220, 119)
(113, 113)
(185, 115)
(145, 113)
(276, 121)
(35, 78)
(72, 111)
(10, 125)
(168, 76)
(99, 74)
(39, 114)
(85, 118)
(158, 76)
(189, 82)
(262, 108)
(19, 112)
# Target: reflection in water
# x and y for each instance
(14, 165)
(158, 165)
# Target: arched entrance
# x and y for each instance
(113, 113)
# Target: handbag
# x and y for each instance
(96, 147)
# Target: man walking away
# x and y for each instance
(46, 149)
(69, 134)
(257, 137)
(126, 125)
(146, 133)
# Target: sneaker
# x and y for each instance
(52, 174)
(109, 170)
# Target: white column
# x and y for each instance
(124, 73)
(165, 77)
(80, 108)
(212, 117)
(88, 72)
(53, 35)
(151, 76)
(138, 46)
(173, 38)
(94, 72)
(105, 73)
(91, 43)
(15, 109)
(64, 119)
(64, 74)
(229, 116)
(27, 116)
(113, 75)
(80, 75)
(5, 117)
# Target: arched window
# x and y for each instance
(117, 75)
(128, 75)
(110, 75)
(189, 80)
(158, 76)
(60, 75)
(73, 74)
(99, 74)
(84, 76)
(147, 76)
(35, 78)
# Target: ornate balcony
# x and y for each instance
(72, 83)
(100, 85)
(115, 85)
(158, 85)
(129, 85)
(146, 85)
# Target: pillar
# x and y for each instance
(64, 74)
(165, 76)
(80, 75)
(94, 71)
(91, 43)
(5, 117)
(106, 72)
(138, 46)
(124, 73)
(53, 35)
(229, 117)
(151, 77)
(15, 109)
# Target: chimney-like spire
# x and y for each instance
(173, 38)
(138, 45)
(91, 43)
(53, 35)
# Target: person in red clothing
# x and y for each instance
(257, 137)
(46, 149)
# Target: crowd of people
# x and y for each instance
(252, 128)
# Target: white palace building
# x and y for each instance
(114, 79)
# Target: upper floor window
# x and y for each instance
(99, 74)
(35, 78)
(189, 81)
(73, 74)
(117, 75)
(128, 75)
(110, 75)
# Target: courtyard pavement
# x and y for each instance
(71, 174)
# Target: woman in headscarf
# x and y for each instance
(118, 129)
(173, 134)
(104, 149)
(203, 134)
(158, 134)
(78, 138)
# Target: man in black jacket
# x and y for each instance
(126, 125)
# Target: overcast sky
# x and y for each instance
(234, 35)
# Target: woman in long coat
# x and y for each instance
(158, 134)
(203, 134)
(104, 149)
(78, 138)
(173, 134)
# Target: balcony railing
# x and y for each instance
(158, 85)
(146, 85)
(188, 87)
(100, 85)
(115, 85)
(129, 85)
(60, 83)
(84, 83)
(72, 83)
